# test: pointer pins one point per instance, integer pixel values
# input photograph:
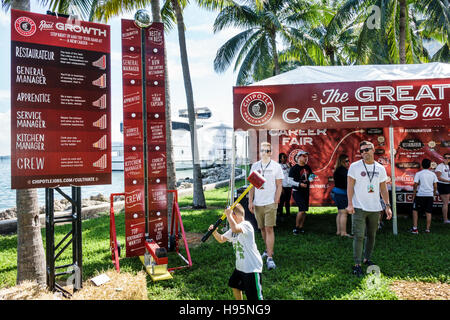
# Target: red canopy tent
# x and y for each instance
(403, 109)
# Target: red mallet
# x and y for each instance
(256, 180)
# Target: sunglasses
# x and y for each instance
(365, 150)
(266, 151)
(346, 161)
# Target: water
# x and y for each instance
(8, 196)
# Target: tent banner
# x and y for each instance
(411, 146)
(371, 104)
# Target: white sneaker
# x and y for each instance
(447, 221)
(264, 255)
(270, 264)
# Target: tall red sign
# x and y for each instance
(60, 102)
(134, 136)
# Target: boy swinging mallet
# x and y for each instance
(256, 180)
(246, 276)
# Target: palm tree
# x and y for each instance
(255, 49)
(393, 40)
(436, 24)
(176, 7)
(322, 44)
(30, 250)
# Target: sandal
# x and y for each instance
(347, 236)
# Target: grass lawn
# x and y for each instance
(315, 265)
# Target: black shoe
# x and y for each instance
(368, 263)
(357, 271)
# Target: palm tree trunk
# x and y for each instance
(171, 173)
(198, 196)
(276, 64)
(402, 31)
(30, 250)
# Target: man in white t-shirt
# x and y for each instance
(246, 276)
(366, 180)
(443, 174)
(263, 202)
(425, 187)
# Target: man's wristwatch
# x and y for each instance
(388, 205)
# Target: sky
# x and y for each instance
(211, 89)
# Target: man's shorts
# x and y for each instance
(250, 283)
(443, 188)
(423, 203)
(266, 216)
(302, 200)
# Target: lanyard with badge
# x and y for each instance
(370, 187)
(263, 171)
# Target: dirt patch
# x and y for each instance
(193, 239)
(412, 290)
(122, 286)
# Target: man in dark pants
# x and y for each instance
(366, 181)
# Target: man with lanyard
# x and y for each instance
(263, 202)
(366, 180)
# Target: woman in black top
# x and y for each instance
(339, 194)
(300, 177)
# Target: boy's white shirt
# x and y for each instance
(248, 258)
(425, 178)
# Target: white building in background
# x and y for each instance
(214, 141)
(117, 156)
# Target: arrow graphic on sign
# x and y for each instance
(335, 149)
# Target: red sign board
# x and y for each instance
(60, 102)
(371, 104)
(134, 137)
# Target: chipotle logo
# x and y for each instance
(25, 26)
(257, 108)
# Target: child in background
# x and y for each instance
(246, 276)
(425, 183)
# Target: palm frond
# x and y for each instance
(228, 51)
(251, 58)
(442, 55)
(235, 15)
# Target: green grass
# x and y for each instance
(314, 266)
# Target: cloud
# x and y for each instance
(4, 95)
(206, 27)
(5, 19)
